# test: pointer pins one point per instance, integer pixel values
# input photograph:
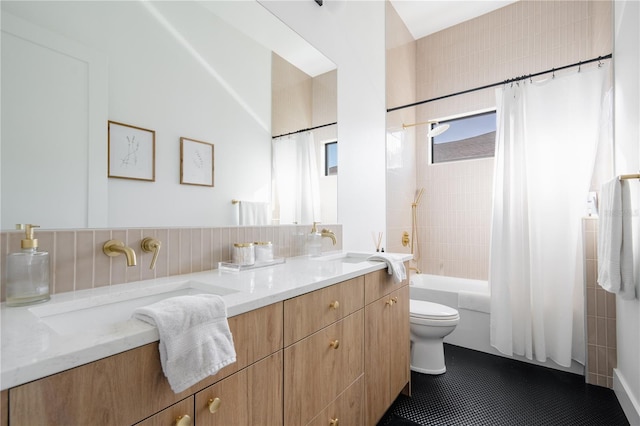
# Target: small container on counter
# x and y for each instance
(264, 251)
(244, 254)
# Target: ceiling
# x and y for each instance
(424, 17)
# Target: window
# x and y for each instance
(468, 137)
(331, 158)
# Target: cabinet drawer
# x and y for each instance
(379, 283)
(315, 372)
(170, 416)
(306, 314)
(346, 409)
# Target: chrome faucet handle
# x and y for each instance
(149, 245)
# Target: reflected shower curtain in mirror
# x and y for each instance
(296, 189)
(546, 143)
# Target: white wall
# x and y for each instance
(351, 34)
(627, 139)
(175, 68)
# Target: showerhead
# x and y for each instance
(438, 130)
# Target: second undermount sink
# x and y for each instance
(346, 257)
(107, 312)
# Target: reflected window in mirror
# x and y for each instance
(331, 158)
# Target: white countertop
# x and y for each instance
(30, 349)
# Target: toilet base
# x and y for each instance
(427, 357)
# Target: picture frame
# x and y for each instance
(131, 152)
(196, 162)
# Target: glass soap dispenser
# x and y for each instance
(27, 272)
(314, 242)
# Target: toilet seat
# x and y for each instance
(422, 309)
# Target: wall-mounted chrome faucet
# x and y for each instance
(115, 248)
(150, 245)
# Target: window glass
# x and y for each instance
(468, 137)
(331, 158)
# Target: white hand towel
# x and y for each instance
(195, 340)
(615, 240)
(254, 213)
(395, 266)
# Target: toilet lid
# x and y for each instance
(430, 310)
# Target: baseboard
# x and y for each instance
(627, 400)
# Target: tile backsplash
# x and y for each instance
(78, 262)
(601, 316)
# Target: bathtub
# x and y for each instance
(469, 297)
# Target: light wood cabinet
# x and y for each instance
(387, 358)
(129, 387)
(336, 355)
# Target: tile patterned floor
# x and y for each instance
(483, 389)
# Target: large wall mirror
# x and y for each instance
(200, 70)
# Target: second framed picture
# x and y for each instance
(196, 162)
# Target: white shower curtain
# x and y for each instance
(296, 189)
(546, 144)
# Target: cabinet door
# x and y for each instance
(265, 391)
(399, 343)
(317, 369)
(252, 396)
(388, 350)
(178, 414)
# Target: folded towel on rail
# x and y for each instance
(615, 240)
(254, 213)
(395, 266)
(195, 340)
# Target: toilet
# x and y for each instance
(429, 324)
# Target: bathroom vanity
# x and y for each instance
(318, 342)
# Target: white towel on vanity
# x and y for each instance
(395, 266)
(195, 340)
(615, 240)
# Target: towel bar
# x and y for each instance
(631, 176)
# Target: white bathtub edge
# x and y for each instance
(629, 404)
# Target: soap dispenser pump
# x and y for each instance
(27, 272)
(314, 242)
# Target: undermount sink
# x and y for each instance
(108, 311)
(346, 257)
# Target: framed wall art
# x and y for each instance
(196, 162)
(132, 152)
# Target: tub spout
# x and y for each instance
(116, 247)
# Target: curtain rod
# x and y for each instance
(305, 130)
(511, 80)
